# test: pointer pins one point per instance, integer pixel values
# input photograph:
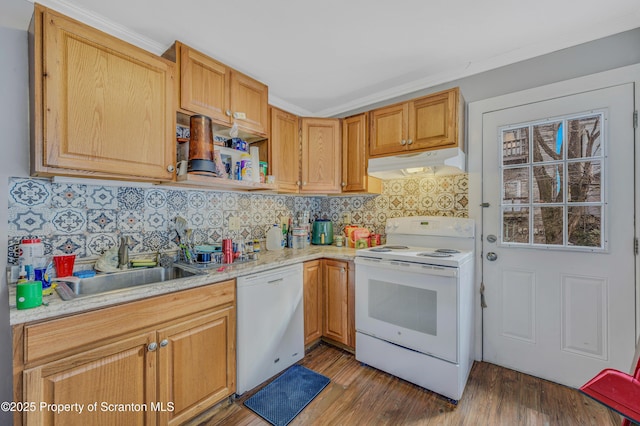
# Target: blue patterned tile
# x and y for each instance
(29, 221)
(69, 244)
(68, 195)
(229, 201)
(156, 220)
(102, 197)
(29, 192)
(131, 198)
(196, 220)
(280, 202)
(197, 200)
(177, 201)
(101, 221)
(214, 219)
(97, 244)
(215, 235)
(200, 236)
(130, 221)
(69, 221)
(156, 199)
(156, 240)
(215, 199)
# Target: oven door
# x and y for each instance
(409, 304)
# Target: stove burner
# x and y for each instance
(380, 249)
(395, 247)
(434, 254)
(444, 250)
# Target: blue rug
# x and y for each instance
(283, 399)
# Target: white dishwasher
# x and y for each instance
(270, 325)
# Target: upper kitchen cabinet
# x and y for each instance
(431, 122)
(354, 156)
(321, 155)
(100, 107)
(284, 145)
(209, 87)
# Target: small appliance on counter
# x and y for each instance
(322, 232)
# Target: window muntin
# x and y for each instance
(551, 176)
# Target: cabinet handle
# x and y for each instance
(228, 112)
(409, 142)
(403, 142)
(152, 346)
(164, 343)
(170, 168)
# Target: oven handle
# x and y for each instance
(398, 265)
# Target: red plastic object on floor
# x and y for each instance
(618, 391)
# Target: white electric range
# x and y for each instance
(414, 310)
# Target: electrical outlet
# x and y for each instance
(346, 217)
(234, 223)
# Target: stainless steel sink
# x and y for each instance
(105, 283)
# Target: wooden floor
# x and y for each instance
(362, 395)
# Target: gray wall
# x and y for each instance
(14, 161)
(600, 55)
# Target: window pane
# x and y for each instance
(516, 185)
(515, 222)
(547, 225)
(547, 142)
(584, 181)
(584, 137)
(515, 146)
(547, 183)
(585, 226)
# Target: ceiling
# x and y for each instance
(323, 58)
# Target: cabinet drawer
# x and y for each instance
(59, 337)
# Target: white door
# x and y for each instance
(558, 235)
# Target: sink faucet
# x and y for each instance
(123, 253)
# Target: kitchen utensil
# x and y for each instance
(201, 146)
(64, 264)
(322, 232)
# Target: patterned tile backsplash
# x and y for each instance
(87, 220)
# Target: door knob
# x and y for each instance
(491, 256)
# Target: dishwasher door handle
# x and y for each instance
(278, 280)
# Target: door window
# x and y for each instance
(552, 183)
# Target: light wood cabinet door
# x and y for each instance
(204, 85)
(321, 155)
(355, 155)
(388, 130)
(433, 121)
(335, 292)
(197, 364)
(249, 103)
(119, 373)
(285, 150)
(102, 107)
(312, 273)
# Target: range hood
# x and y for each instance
(440, 162)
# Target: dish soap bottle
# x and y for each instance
(274, 238)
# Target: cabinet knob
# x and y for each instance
(171, 168)
(152, 346)
(344, 183)
(164, 343)
(228, 112)
(403, 142)
(304, 183)
(297, 183)
(409, 142)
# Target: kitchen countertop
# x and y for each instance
(268, 260)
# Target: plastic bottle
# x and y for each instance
(274, 238)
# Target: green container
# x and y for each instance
(29, 294)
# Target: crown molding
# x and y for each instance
(100, 22)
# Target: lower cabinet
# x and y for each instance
(312, 273)
(179, 362)
(329, 293)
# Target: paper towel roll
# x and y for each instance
(255, 163)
